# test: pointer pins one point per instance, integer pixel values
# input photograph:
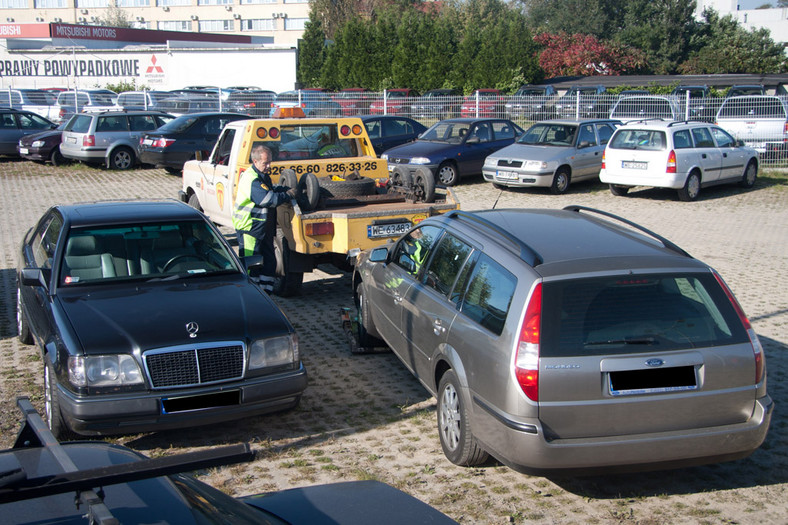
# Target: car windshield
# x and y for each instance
(143, 251)
(638, 107)
(447, 131)
(103, 99)
(178, 125)
(763, 107)
(549, 135)
(531, 93)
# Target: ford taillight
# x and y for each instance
(89, 140)
(526, 364)
(757, 349)
(603, 160)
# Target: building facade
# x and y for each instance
(283, 20)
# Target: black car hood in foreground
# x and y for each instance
(120, 318)
(355, 502)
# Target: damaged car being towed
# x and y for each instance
(147, 320)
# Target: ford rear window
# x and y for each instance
(644, 139)
(642, 313)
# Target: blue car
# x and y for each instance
(454, 148)
(387, 131)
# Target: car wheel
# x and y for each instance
(52, 405)
(424, 185)
(454, 427)
(308, 191)
(121, 159)
(194, 202)
(366, 329)
(22, 326)
(288, 178)
(57, 158)
(286, 283)
(401, 178)
(750, 174)
(560, 181)
(691, 188)
(447, 174)
(619, 191)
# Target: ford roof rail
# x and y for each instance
(527, 254)
(666, 243)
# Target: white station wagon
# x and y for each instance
(685, 156)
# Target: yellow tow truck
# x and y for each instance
(347, 199)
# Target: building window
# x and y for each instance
(50, 4)
(92, 3)
(259, 24)
(214, 2)
(244, 2)
(175, 25)
(173, 2)
(296, 1)
(13, 4)
(295, 24)
(133, 3)
(140, 25)
(210, 26)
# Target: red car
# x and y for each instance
(489, 101)
(354, 101)
(396, 102)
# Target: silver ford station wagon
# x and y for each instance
(567, 340)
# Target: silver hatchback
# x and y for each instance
(567, 339)
(110, 137)
(551, 154)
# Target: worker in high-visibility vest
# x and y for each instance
(254, 213)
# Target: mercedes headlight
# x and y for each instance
(104, 370)
(274, 351)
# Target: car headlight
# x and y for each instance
(37, 143)
(535, 165)
(419, 160)
(490, 161)
(384, 156)
(274, 351)
(104, 370)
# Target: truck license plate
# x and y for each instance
(632, 165)
(387, 230)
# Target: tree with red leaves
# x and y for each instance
(585, 55)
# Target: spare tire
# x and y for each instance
(341, 189)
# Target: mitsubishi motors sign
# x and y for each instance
(154, 74)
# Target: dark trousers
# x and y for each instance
(259, 241)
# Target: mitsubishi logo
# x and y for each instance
(153, 67)
(192, 328)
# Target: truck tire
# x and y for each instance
(194, 202)
(308, 191)
(342, 189)
(286, 283)
(402, 178)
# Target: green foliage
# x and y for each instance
(311, 52)
(726, 47)
(115, 16)
(122, 86)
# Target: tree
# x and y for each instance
(585, 55)
(601, 18)
(311, 52)
(115, 16)
(663, 29)
(726, 47)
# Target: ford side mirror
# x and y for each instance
(380, 254)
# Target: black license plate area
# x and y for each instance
(188, 403)
(650, 381)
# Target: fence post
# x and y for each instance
(687, 106)
(577, 105)
(385, 101)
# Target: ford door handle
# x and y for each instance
(438, 328)
(725, 155)
(397, 298)
(703, 156)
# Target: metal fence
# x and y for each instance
(760, 121)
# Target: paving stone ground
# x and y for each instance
(365, 417)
